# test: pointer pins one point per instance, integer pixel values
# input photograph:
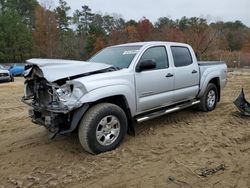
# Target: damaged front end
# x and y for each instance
(54, 95)
(242, 104)
(53, 105)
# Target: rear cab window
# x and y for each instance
(181, 55)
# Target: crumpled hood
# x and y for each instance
(56, 69)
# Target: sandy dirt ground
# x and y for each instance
(169, 151)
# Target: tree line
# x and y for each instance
(28, 29)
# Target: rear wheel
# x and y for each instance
(102, 128)
(209, 99)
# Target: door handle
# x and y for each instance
(169, 75)
(194, 71)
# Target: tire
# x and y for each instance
(94, 135)
(12, 79)
(209, 99)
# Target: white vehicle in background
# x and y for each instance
(121, 85)
(5, 75)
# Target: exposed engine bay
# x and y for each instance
(46, 107)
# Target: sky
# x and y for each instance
(212, 10)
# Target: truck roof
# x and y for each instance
(152, 43)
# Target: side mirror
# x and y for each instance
(146, 65)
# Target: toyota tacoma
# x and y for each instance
(103, 98)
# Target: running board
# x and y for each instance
(166, 111)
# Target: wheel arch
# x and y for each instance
(121, 101)
(216, 82)
(213, 77)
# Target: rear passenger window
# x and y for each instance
(157, 54)
(182, 56)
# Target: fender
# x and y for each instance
(112, 90)
(206, 78)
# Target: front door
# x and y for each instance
(154, 87)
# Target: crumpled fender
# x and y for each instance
(242, 104)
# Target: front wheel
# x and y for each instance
(102, 128)
(209, 99)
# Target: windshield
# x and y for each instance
(120, 57)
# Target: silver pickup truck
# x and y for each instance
(121, 85)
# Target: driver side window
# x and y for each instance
(158, 55)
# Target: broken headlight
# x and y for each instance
(71, 93)
(64, 93)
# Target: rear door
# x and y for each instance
(186, 83)
(154, 87)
